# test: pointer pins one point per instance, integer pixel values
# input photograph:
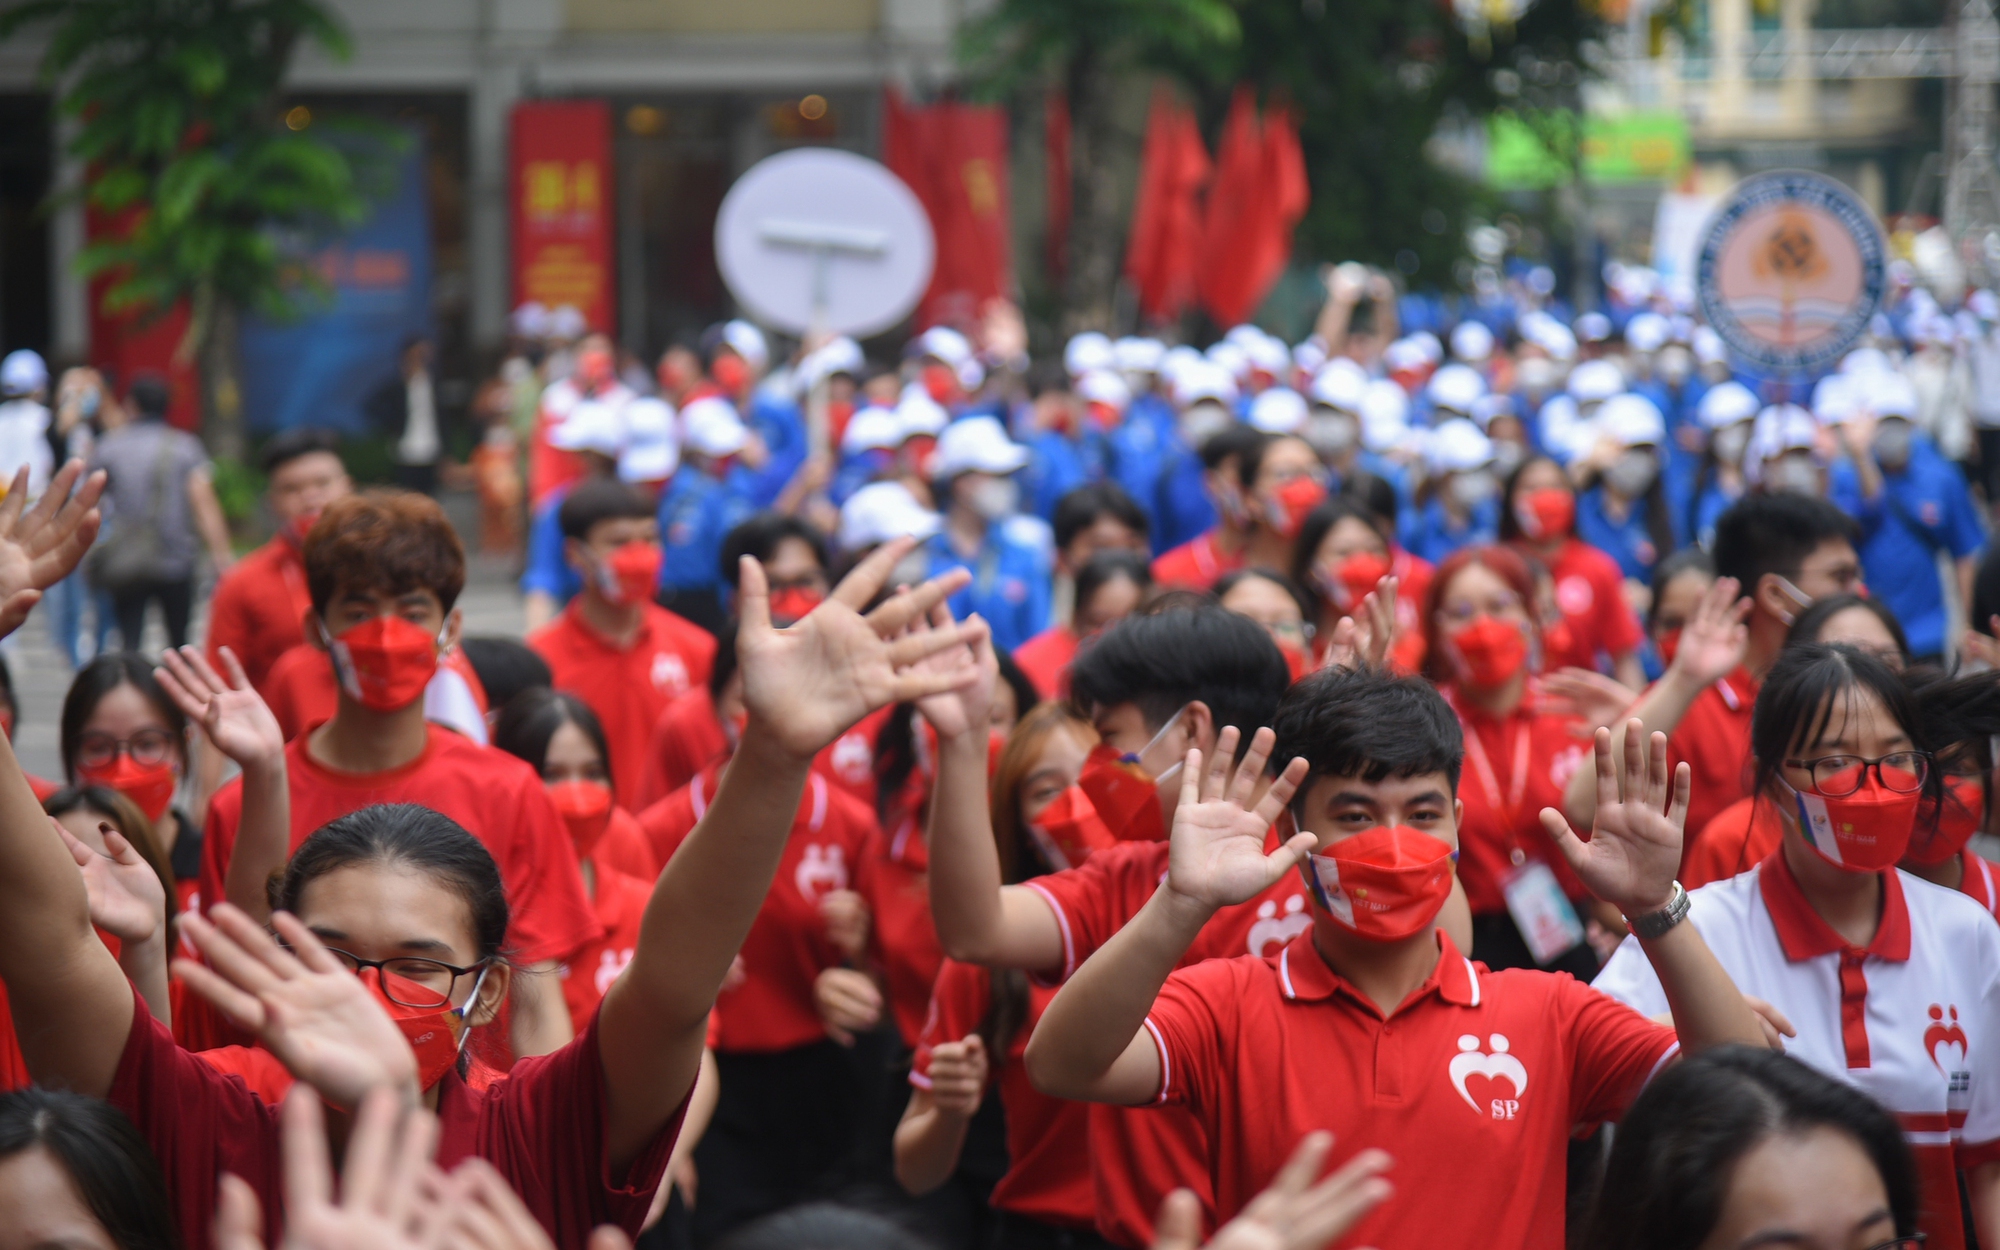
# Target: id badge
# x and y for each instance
(1541, 912)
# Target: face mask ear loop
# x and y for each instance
(1139, 756)
(471, 1001)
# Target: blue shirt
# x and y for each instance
(1182, 509)
(1708, 509)
(1011, 578)
(1629, 542)
(1926, 509)
(547, 571)
(1436, 536)
(1139, 449)
(782, 426)
(1056, 466)
(696, 513)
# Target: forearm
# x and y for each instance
(928, 1143)
(541, 1021)
(1629, 672)
(1661, 710)
(209, 520)
(263, 836)
(1707, 1007)
(1983, 1186)
(964, 863)
(145, 966)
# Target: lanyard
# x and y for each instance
(1507, 806)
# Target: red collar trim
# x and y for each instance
(1304, 977)
(1804, 934)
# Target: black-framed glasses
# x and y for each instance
(1837, 776)
(1914, 1241)
(148, 746)
(409, 981)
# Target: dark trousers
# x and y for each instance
(1498, 944)
(176, 599)
(1018, 1232)
(781, 1135)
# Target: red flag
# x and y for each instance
(954, 157)
(1055, 141)
(1160, 259)
(1258, 197)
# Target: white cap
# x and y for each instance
(1268, 355)
(748, 342)
(1542, 280)
(1550, 335)
(1781, 428)
(881, 511)
(1307, 357)
(23, 372)
(1180, 357)
(976, 445)
(1340, 384)
(838, 355)
(1891, 395)
(873, 428)
(1404, 354)
(1102, 386)
(652, 447)
(1595, 379)
(917, 413)
(1866, 360)
(1726, 403)
(710, 426)
(1984, 305)
(1708, 346)
(1455, 446)
(1593, 327)
(945, 344)
(1471, 341)
(1385, 416)
(1138, 355)
(1836, 399)
(1204, 380)
(1455, 388)
(566, 322)
(592, 425)
(1491, 405)
(1647, 332)
(1278, 410)
(1087, 351)
(1231, 357)
(529, 321)
(1631, 421)
(970, 374)
(1242, 334)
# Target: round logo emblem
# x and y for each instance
(1790, 270)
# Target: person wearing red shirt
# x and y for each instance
(1196, 563)
(1370, 1023)
(302, 692)
(1344, 552)
(1090, 521)
(1528, 909)
(1538, 518)
(385, 570)
(593, 379)
(394, 921)
(1109, 587)
(1782, 552)
(624, 655)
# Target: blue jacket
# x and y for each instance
(696, 513)
(1629, 542)
(547, 571)
(1435, 536)
(1011, 579)
(1926, 509)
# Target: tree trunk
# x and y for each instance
(221, 389)
(1107, 107)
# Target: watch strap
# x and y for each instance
(1655, 924)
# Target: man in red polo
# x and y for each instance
(1371, 1023)
(613, 647)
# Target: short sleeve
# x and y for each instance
(1966, 536)
(1094, 901)
(1628, 977)
(959, 1003)
(1616, 1050)
(1196, 1009)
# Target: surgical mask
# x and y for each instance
(731, 373)
(630, 574)
(1537, 375)
(1729, 442)
(913, 569)
(1293, 502)
(1354, 579)
(1941, 832)
(385, 662)
(1632, 473)
(795, 603)
(1866, 831)
(1545, 514)
(1508, 455)
(994, 498)
(88, 403)
(1793, 593)
(1203, 421)
(585, 808)
(1332, 434)
(1793, 475)
(1472, 488)
(1383, 885)
(1123, 793)
(1069, 830)
(1893, 439)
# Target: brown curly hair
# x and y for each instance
(384, 541)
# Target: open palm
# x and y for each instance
(126, 897)
(1715, 638)
(1635, 844)
(40, 546)
(231, 713)
(1216, 855)
(969, 705)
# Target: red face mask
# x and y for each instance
(295, 532)
(1942, 832)
(674, 377)
(916, 452)
(384, 663)
(585, 807)
(149, 786)
(1383, 885)
(1295, 657)
(731, 373)
(940, 383)
(1670, 645)
(1069, 830)
(436, 1034)
(630, 574)
(1124, 797)
(838, 413)
(1104, 416)
(1490, 651)
(1866, 831)
(1355, 579)
(593, 369)
(794, 603)
(1292, 503)
(1545, 514)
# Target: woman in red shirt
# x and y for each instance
(1343, 553)
(1110, 586)
(1484, 650)
(1538, 518)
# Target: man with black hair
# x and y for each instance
(260, 605)
(1780, 552)
(1098, 517)
(1198, 562)
(613, 647)
(1370, 1022)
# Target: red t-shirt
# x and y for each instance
(1046, 658)
(259, 609)
(894, 877)
(1591, 593)
(1740, 837)
(787, 946)
(628, 687)
(542, 1125)
(624, 847)
(302, 692)
(1196, 564)
(1513, 769)
(496, 797)
(686, 737)
(1714, 739)
(1137, 1156)
(1480, 1074)
(620, 904)
(1048, 1150)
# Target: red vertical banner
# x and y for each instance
(560, 182)
(954, 157)
(1164, 250)
(139, 340)
(1258, 196)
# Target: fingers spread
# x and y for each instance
(243, 1010)
(308, 1172)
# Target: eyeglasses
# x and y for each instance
(1913, 1242)
(1837, 776)
(411, 982)
(148, 746)
(1464, 611)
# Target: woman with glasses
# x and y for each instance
(1877, 978)
(1272, 600)
(1740, 1148)
(1484, 652)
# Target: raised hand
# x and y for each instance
(1293, 1213)
(302, 1003)
(1715, 638)
(806, 685)
(849, 1002)
(1635, 844)
(967, 707)
(486, 1214)
(126, 897)
(1585, 693)
(40, 546)
(232, 715)
(1216, 855)
(958, 1075)
(1364, 638)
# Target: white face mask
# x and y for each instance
(1632, 473)
(1538, 375)
(994, 498)
(1893, 439)
(1473, 488)
(1794, 475)
(1332, 433)
(1202, 422)
(1729, 442)
(1674, 365)
(1507, 456)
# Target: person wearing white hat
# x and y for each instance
(1407, 364)
(1472, 343)
(1087, 351)
(1500, 418)
(1568, 420)
(592, 377)
(1623, 512)
(1182, 495)
(1333, 421)
(1783, 456)
(652, 443)
(1011, 556)
(24, 420)
(701, 504)
(1453, 390)
(1278, 410)
(736, 355)
(1727, 415)
(867, 451)
(1270, 361)
(1460, 492)
(879, 512)
(530, 321)
(592, 436)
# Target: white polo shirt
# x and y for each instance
(1913, 1020)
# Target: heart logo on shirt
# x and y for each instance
(1946, 1040)
(1470, 1061)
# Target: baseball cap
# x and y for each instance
(1456, 446)
(1278, 410)
(1455, 388)
(1340, 384)
(1595, 380)
(592, 425)
(1086, 351)
(652, 452)
(917, 413)
(1726, 403)
(23, 372)
(1631, 421)
(943, 343)
(1139, 355)
(748, 342)
(1647, 332)
(881, 511)
(1471, 341)
(1102, 386)
(873, 428)
(710, 426)
(976, 445)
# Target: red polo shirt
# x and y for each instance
(624, 847)
(1046, 658)
(259, 609)
(1736, 840)
(1591, 593)
(1714, 739)
(1196, 564)
(686, 737)
(894, 879)
(630, 686)
(619, 904)
(1489, 1070)
(773, 1009)
(1048, 1148)
(1514, 767)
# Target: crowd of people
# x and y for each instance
(1518, 784)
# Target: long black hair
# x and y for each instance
(532, 717)
(1672, 1161)
(106, 1159)
(1809, 685)
(102, 676)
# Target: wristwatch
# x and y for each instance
(1655, 924)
